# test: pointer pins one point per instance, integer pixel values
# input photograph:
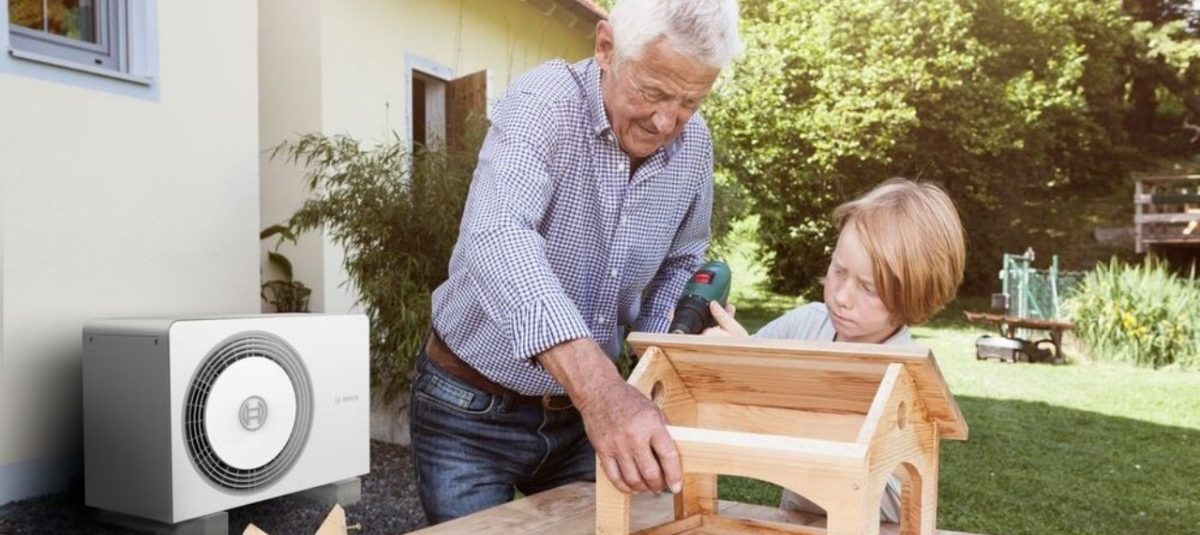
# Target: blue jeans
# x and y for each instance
(471, 448)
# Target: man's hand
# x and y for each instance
(630, 437)
(627, 430)
(726, 325)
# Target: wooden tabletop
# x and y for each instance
(569, 510)
(1032, 323)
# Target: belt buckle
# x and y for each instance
(549, 404)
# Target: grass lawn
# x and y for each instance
(1080, 448)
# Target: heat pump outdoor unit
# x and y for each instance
(188, 417)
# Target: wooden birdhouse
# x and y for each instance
(830, 421)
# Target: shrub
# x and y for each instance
(397, 215)
(1142, 314)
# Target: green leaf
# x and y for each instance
(281, 262)
(274, 230)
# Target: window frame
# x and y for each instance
(124, 47)
(431, 71)
(434, 99)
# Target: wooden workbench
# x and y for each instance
(570, 510)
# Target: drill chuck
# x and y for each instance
(691, 315)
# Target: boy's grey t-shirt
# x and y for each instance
(811, 322)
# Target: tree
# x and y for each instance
(1009, 104)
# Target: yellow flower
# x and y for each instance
(1128, 320)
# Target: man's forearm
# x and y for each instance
(582, 368)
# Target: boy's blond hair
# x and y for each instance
(915, 241)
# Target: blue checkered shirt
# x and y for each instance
(558, 241)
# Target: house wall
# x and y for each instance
(116, 205)
(366, 50)
(289, 74)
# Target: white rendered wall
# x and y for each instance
(116, 206)
(289, 74)
(362, 63)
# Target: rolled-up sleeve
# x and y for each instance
(505, 255)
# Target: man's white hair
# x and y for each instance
(704, 30)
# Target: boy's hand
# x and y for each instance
(726, 325)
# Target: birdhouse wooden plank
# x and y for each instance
(830, 421)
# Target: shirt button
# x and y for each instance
(614, 273)
(601, 319)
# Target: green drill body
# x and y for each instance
(709, 283)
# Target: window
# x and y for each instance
(97, 36)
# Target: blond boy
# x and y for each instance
(899, 259)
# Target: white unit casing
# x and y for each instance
(188, 417)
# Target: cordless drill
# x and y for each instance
(710, 283)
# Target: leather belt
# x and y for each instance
(441, 355)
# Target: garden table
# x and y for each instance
(1008, 326)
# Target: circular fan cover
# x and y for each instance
(248, 411)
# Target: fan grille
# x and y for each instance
(200, 448)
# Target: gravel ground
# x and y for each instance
(389, 505)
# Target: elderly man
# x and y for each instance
(588, 212)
